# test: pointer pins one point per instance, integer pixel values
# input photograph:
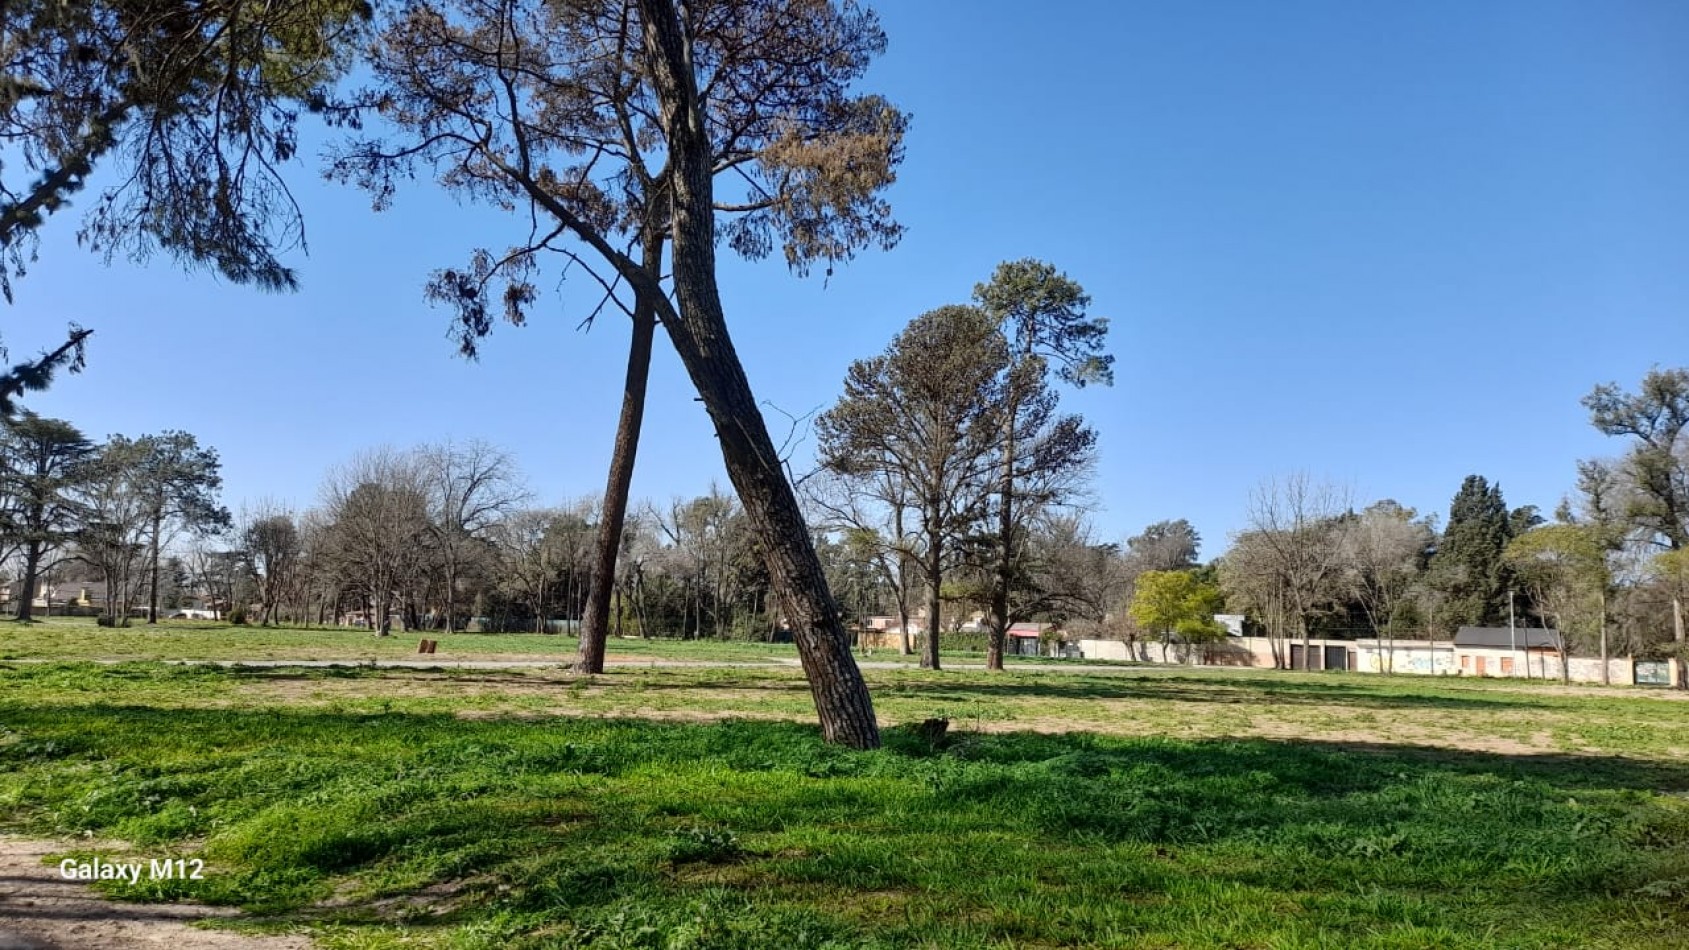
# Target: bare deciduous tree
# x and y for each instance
(271, 541)
(1384, 554)
(471, 487)
(377, 509)
(1296, 539)
(875, 516)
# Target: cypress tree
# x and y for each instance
(1467, 565)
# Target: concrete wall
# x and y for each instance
(1426, 658)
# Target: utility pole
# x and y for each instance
(1513, 633)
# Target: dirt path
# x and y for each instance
(39, 910)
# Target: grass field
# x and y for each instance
(673, 807)
(78, 638)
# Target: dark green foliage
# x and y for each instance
(199, 100)
(237, 615)
(1164, 546)
(1042, 313)
(1467, 566)
(37, 374)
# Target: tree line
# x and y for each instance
(1608, 570)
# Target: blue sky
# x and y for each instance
(1386, 244)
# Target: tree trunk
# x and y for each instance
(1307, 653)
(1606, 670)
(451, 591)
(152, 598)
(595, 625)
(906, 646)
(32, 577)
(842, 703)
(1005, 532)
(1000, 583)
(935, 571)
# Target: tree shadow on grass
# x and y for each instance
(571, 817)
(1253, 692)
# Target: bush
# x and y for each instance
(237, 616)
(105, 620)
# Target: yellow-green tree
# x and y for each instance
(1564, 567)
(1177, 602)
(1672, 568)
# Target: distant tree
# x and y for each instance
(1178, 604)
(1164, 546)
(178, 481)
(271, 540)
(1385, 551)
(1656, 419)
(1467, 567)
(1042, 315)
(531, 563)
(1672, 569)
(42, 462)
(1565, 568)
(116, 521)
(379, 530)
(1253, 581)
(875, 515)
(1296, 538)
(1086, 582)
(219, 568)
(471, 486)
(928, 414)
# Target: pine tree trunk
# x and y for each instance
(31, 577)
(1606, 670)
(152, 598)
(1005, 533)
(451, 591)
(1000, 583)
(753, 466)
(595, 625)
(935, 568)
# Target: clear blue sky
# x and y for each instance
(1388, 244)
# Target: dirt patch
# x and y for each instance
(39, 910)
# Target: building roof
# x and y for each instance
(1522, 638)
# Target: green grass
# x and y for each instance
(77, 638)
(384, 808)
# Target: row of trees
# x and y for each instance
(115, 507)
(1608, 572)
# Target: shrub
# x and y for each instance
(237, 616)
(106, 620)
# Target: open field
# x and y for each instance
(696, 807)
(77, 638)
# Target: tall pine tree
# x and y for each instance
(1467, 566)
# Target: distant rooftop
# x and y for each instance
(1521, 638)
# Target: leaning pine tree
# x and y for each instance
(605, 123)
